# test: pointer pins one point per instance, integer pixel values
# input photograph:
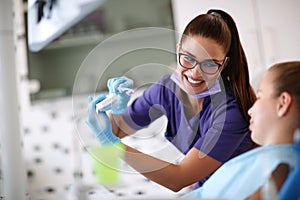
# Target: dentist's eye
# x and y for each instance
(189, 59)
(209, 64)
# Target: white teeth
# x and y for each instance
(193, 81)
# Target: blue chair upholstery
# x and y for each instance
(291, 188)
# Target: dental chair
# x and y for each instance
(291, 188)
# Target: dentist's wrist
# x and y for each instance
(108, 138)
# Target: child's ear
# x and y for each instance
(284, 104)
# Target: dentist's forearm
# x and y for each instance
(194, 167)
(157, 170)
(119, 127)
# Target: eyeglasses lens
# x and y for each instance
(208, 67)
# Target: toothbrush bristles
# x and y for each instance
(129, 91)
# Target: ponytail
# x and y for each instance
(236, 71)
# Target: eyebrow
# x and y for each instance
(190, 54)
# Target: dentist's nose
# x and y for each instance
(196, 70)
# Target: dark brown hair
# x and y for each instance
(219, 26)
(286, 79)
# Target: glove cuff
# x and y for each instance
(108, 138)
(118, 111)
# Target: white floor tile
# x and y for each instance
(53, 157)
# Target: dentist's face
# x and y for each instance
(199, 49)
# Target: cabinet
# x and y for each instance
(56, 65)
(269, 29)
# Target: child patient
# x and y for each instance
(274, 123)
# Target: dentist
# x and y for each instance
(205, 101)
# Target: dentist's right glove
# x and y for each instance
(116, 85)
(100, 123)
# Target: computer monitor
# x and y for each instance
(49, 19)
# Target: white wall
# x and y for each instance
(269, 29)
(12, 180)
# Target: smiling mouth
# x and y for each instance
(193, 82)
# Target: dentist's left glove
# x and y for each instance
(116, 85)
(100, 123)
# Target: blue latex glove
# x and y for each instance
(100, 123)
(114, 85)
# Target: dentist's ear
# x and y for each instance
(225, 63)
(177, 47)
(284, 104)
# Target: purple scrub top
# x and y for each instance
(218, 130)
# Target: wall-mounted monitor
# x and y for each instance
(48, 19)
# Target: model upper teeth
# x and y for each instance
(193, 81)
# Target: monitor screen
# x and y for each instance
(47, 20)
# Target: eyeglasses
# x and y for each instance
(207, 66)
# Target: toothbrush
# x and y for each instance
(112, 100)
(129, 91)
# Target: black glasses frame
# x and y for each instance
(201, 63)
